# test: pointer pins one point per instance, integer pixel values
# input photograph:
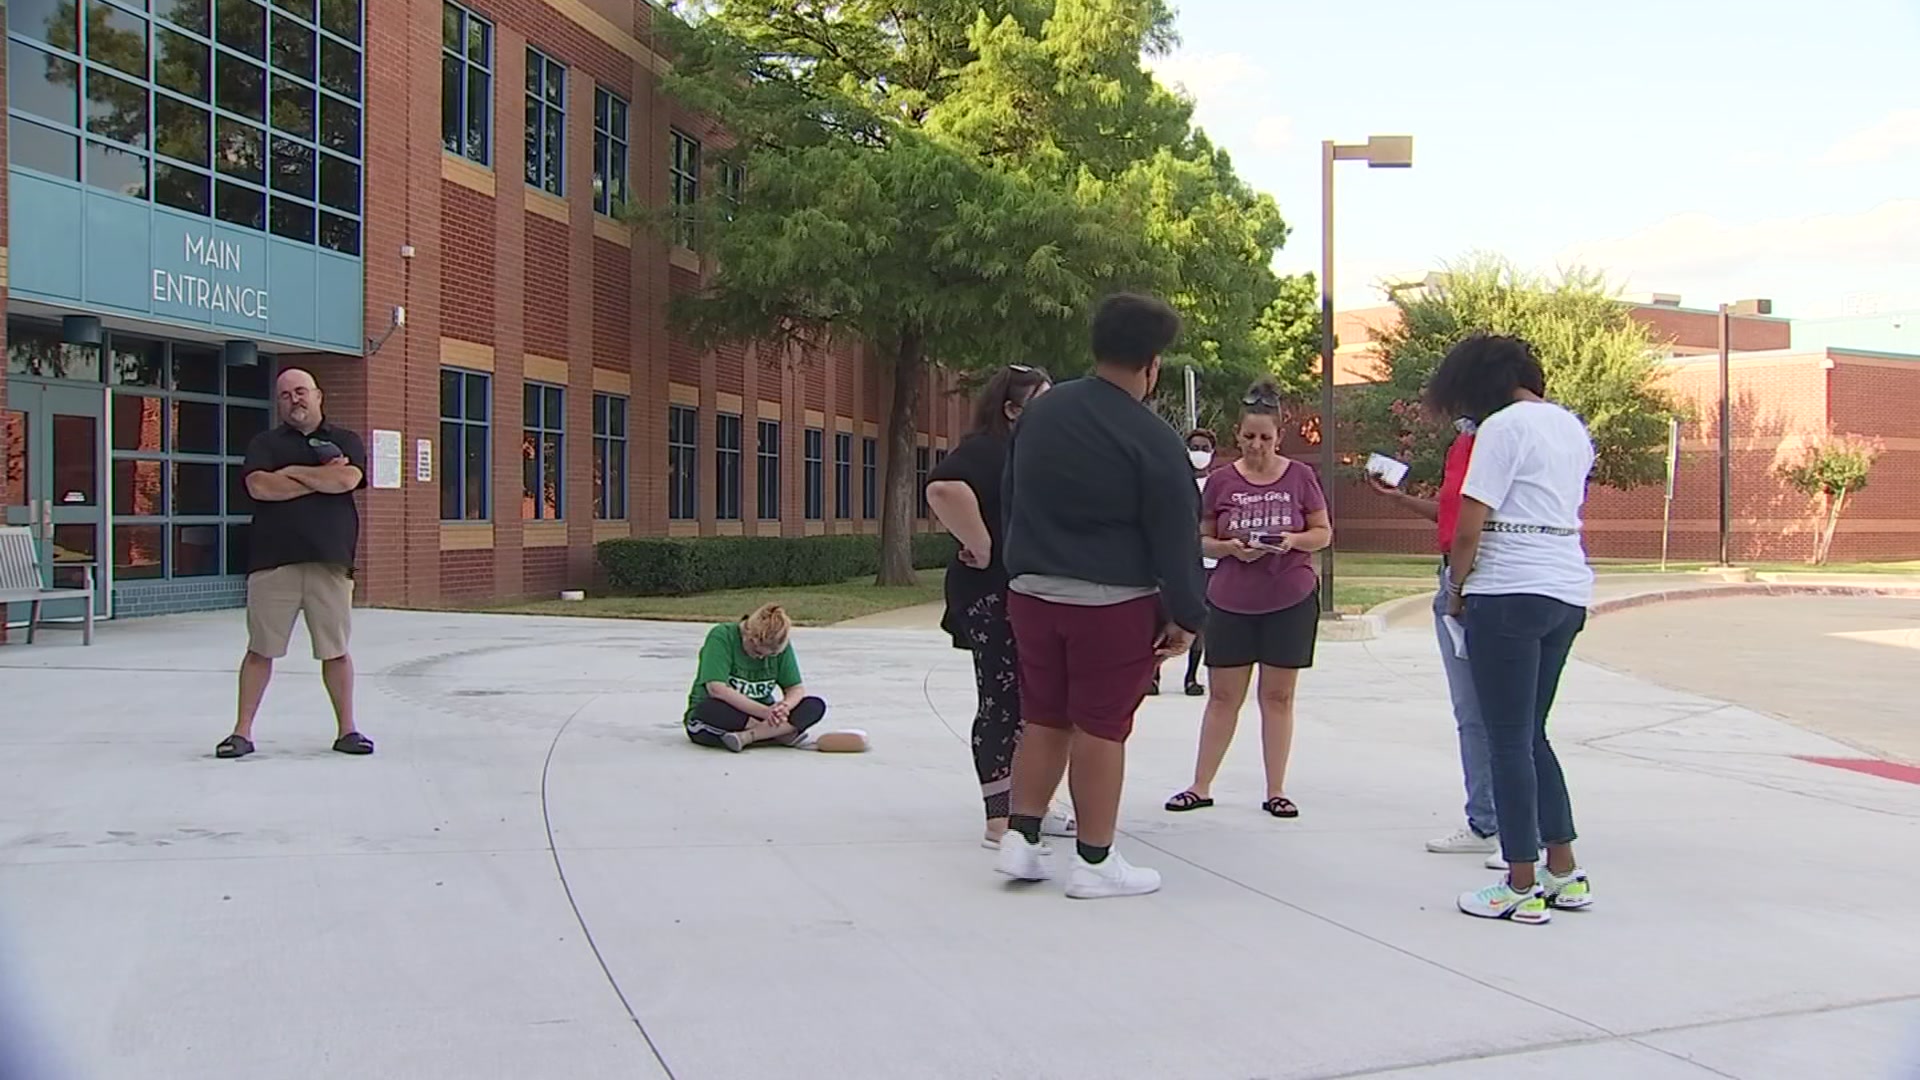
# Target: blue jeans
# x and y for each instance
(1475, 764)
(1517, 647)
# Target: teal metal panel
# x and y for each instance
(97, 250)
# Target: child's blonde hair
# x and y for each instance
(766, 629)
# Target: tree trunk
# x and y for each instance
(900, 499)
(1823, 545)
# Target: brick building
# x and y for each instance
(1784, 399)
(200, 195)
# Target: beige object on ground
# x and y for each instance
(849, 741)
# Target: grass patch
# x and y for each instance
(809, 605)
(1365, 597)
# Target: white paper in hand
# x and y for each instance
(1457, 633)
(1390, 471)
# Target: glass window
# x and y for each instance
(136, 488)
(196, 369)
(683, 169)
(767, 486)
(116, 38)
(183, 64)
(116, 108)
(244, 422)
(610, 457)
(240, 150)
(726, 467)
(341, 17)
(301, 8)
(339, 126)
(55, 153)
(114, 169)
(250, 381)
(683, 450)
(466, 84)
(463, 444)
(813, 451)
(138, 551)
(136, 362)
(293, 107)
(242, 25)
(138, 424)
(42, 84)
(182, 189)
(238, 205)
(36, 349)
(196, 489)
(196, 427)
(340, 68)
(609, 151)
(239, 550)
(546, 122)
(843, 476)
(340, 234)
(869, 478)
(920, 465)
(188, 14)
(733, 186)
(182, 131)
(196, 550)
(51, 21)
(340, 183)
(293, 167)
(542, 456)
(293, 49)
(240, 86)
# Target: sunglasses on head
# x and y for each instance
(1271, 401)
(1020, 368)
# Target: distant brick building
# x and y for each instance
(1783, 399)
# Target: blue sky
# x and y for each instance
(1716, 149)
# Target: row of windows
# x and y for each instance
(466, 430)
(466, 125)
(683, 470)
(250, 116)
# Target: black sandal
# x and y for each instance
(1187, 800)
(1194, 689)
(233, 746)
(353, 743)
(1281, 807)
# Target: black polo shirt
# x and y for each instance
(313, 528)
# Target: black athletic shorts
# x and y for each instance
(1282, 639)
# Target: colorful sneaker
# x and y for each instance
(1464, 841)
(1113, 877)
(1021, 860)
(1499, 901)
(1570, 893)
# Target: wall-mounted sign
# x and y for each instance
(423, 461)
(386, 459)
(213, 284)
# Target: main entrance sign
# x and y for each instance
(212, 256)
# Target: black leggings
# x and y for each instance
(1194, 653)
(713, 718)
(996, 719)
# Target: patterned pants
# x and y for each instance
(996, 720)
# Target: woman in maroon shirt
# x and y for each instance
(1261, 517)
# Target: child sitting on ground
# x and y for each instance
(748, 688)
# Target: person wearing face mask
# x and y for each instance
(964, 494)
(1479, 835)
(1200, 450)
(1261, 517)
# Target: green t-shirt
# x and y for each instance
(723, 659)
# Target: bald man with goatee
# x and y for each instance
(302, 475)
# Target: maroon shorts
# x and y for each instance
(1084, 667)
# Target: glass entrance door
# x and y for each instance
(55, 480)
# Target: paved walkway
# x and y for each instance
(537, 877)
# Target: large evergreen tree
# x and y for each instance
(955, 181)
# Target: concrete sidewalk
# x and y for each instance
(538, 877)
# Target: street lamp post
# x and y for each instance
(1379, 152)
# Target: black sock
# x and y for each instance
(1093, 856)
(1026, 825)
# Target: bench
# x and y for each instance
(21, 583)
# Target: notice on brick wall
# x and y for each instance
(386, 459)
(423, 461)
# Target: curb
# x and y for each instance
(1721, 592)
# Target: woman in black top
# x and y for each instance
(964, 493)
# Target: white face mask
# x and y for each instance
(1200, 458)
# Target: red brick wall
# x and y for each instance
(546, 292)
(612, 305)
(545, 572)
(467, 278)
(466, 575)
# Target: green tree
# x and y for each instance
(1830, 472)
(955, 181)
(1600, 362)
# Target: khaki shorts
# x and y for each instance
(322, 591)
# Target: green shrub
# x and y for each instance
(681, 566)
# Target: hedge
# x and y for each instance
(679, 567)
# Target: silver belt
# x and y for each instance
(1537, 530)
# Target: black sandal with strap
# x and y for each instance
(1281, 807)
(233, 746)
(1187, 800)
(353, 743)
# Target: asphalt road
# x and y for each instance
(1847, 667)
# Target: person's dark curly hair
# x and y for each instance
(1203, 433)
(1481, 374)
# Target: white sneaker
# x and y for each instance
(1113, 877)
(1500, 901)
(1059, 823)
(1022, 861)
(1464, 841)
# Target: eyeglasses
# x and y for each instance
(1270, 401)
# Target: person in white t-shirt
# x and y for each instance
(1521, 583)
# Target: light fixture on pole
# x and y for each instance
(1379, 152)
